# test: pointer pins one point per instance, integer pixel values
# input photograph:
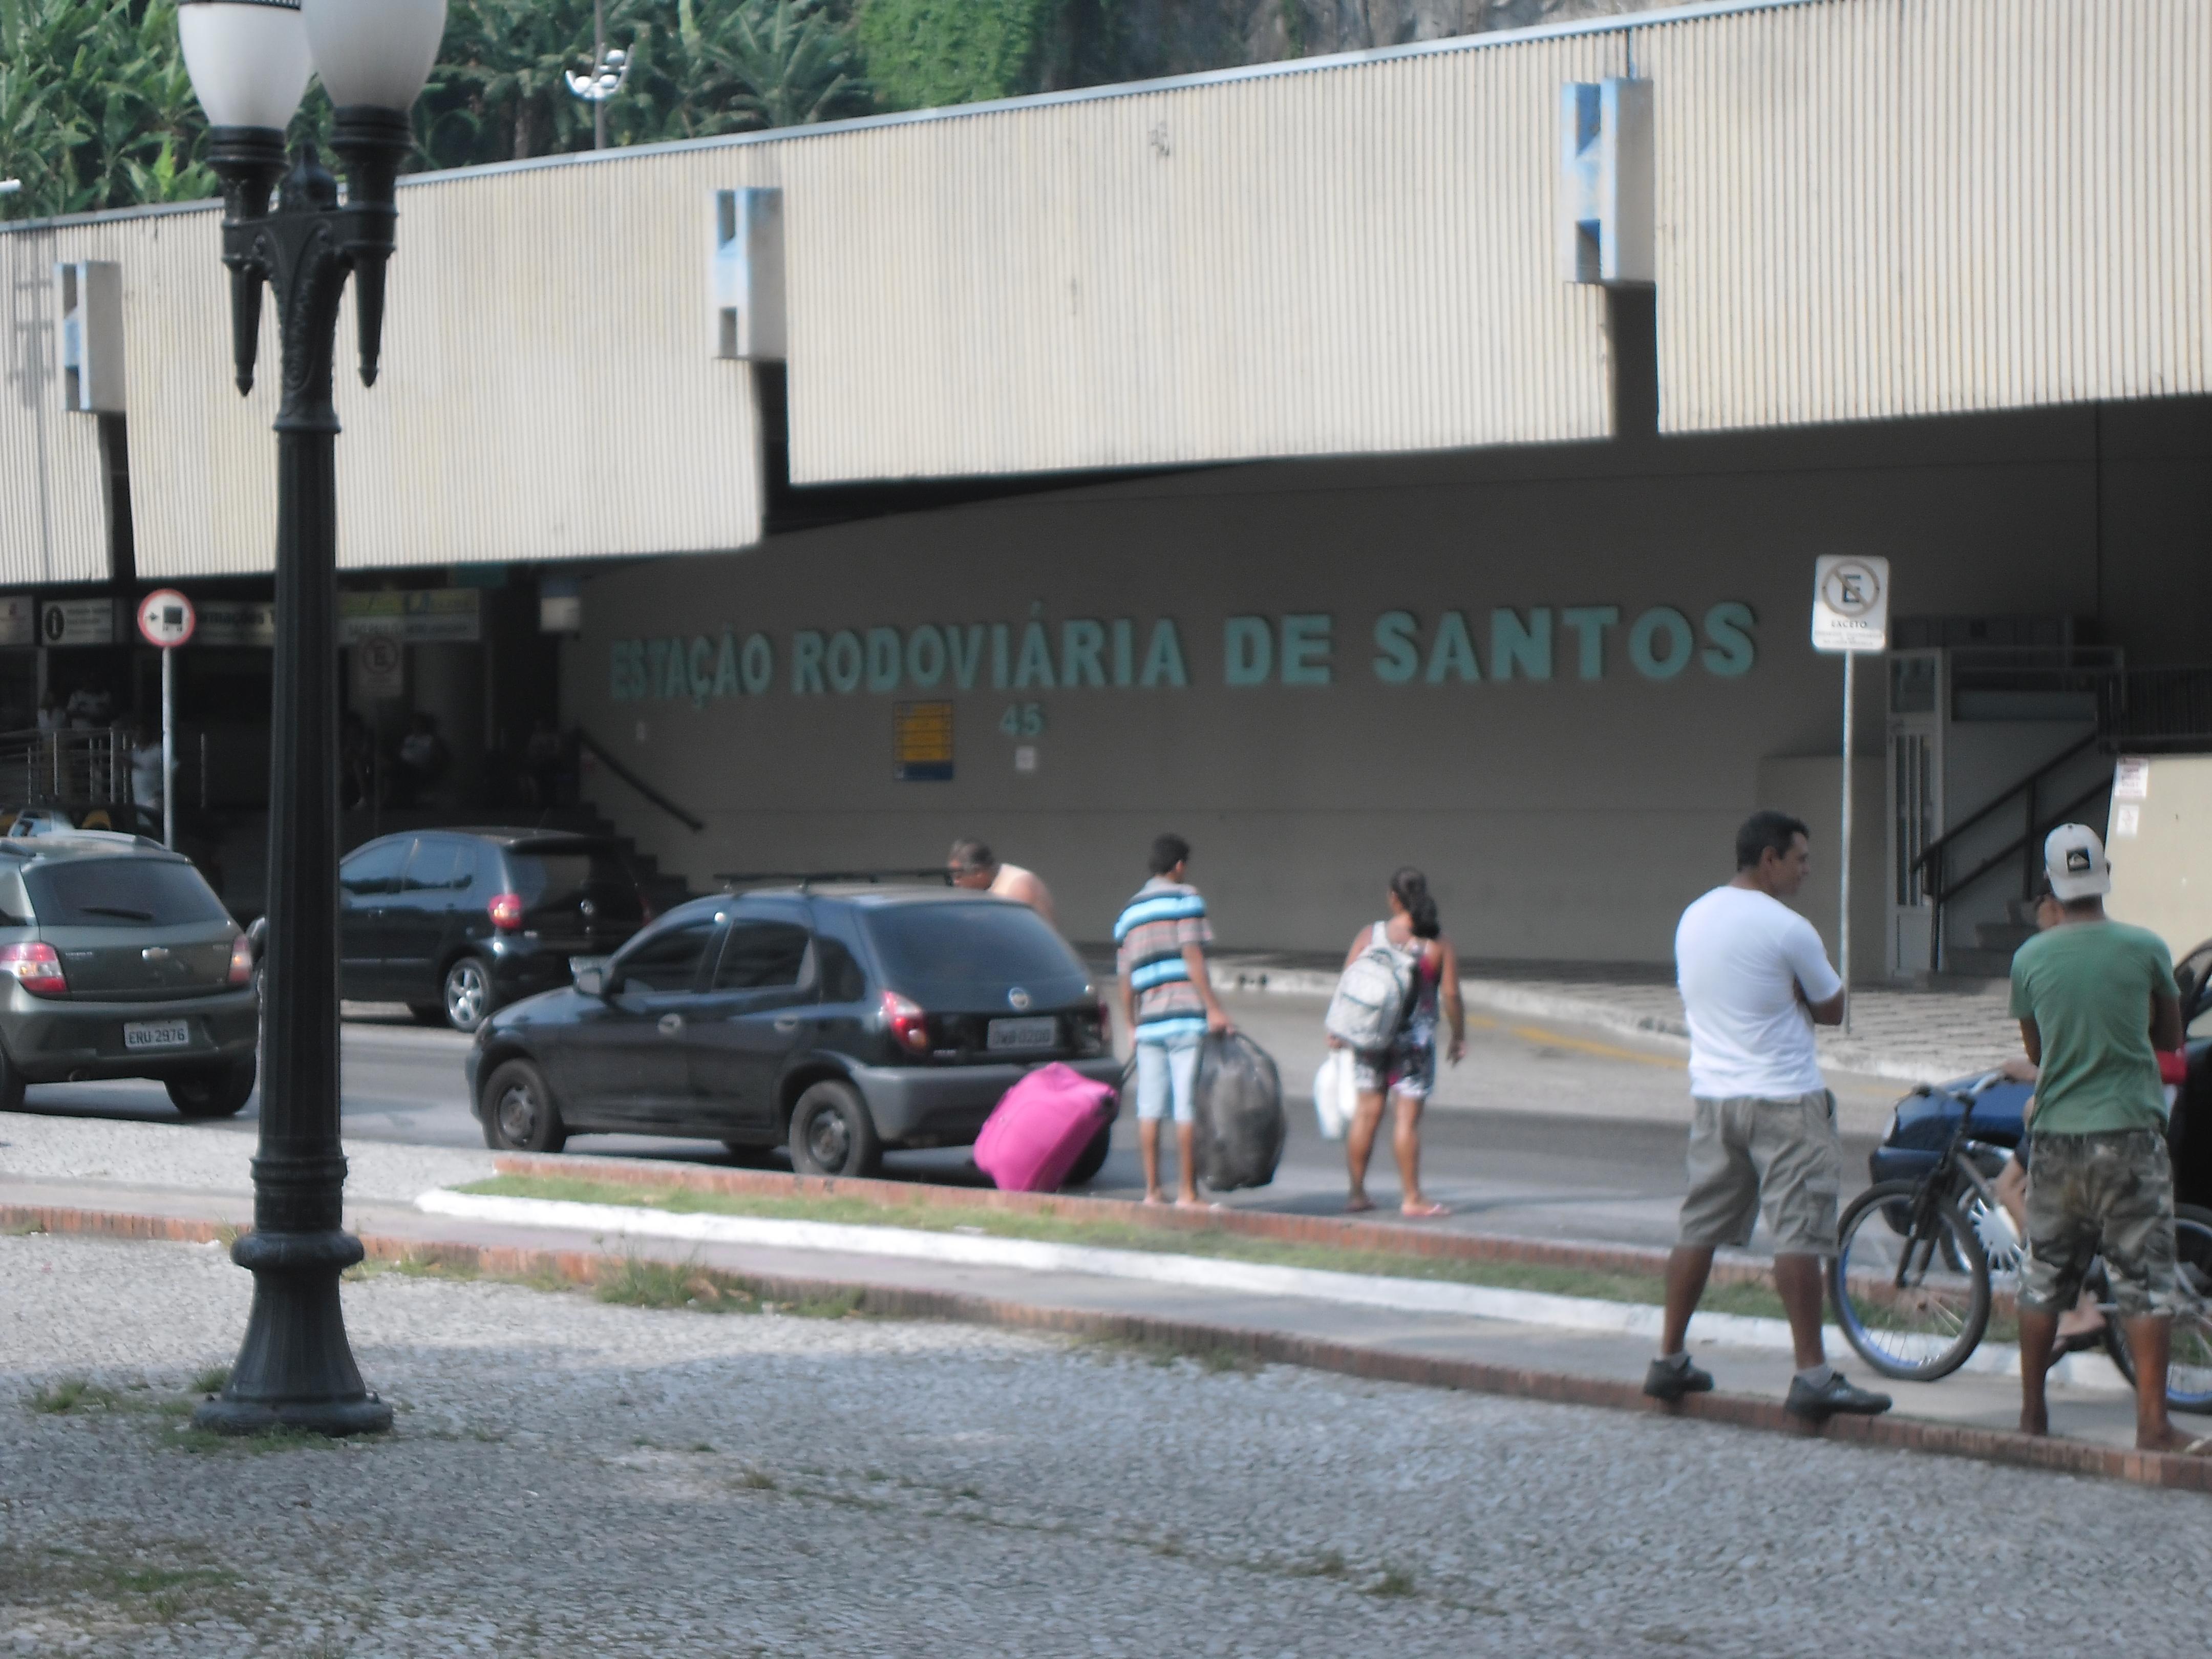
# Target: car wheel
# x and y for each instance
(1091, 1160)
(518, 1113)
(468, 994)
(214, 1091)
(832, 1134)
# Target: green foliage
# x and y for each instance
(923, 53)
(95, 110)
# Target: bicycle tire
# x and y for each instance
(2189, 1369)
(1927, 1330)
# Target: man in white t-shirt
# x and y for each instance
(1754, 982)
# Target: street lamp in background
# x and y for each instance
(249, 62)
(610, 70)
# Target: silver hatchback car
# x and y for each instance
(118, 960)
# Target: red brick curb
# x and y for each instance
(1267, 1347)
(1331, 1231)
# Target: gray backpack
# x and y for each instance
(1373, 997)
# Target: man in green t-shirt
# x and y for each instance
(2095, 999)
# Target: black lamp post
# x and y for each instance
(249, 60)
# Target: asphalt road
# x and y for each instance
(1544, 1130)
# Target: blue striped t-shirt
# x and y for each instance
(1154, 927)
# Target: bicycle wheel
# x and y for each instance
(1908, 1312)
(2189, 1369)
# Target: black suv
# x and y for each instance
(455, 923)
(118, 960)
(839, 1019)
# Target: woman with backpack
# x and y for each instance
(1398, 976)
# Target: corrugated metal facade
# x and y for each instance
(546, 389)
(1354, 258)
(53, 516)
(1881, 208)
(1868, 209)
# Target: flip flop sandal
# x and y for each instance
(2196, 1448)
(2079, 1342)
(1426, 1213)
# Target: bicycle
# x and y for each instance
(1914, 1279)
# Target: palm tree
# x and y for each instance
(794, 64)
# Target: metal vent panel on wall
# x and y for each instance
(1870, 211)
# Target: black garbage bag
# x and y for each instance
(1239, 1100)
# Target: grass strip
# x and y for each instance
(1215, 1242)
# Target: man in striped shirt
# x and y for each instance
(1167, 1004)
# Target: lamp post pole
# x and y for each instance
(249, 60)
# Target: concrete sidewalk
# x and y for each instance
(1907, 1035)
(1964, 1415)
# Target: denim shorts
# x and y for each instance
(1168, 1069)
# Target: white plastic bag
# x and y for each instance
(1335, 1094)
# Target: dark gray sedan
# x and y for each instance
(118, 960)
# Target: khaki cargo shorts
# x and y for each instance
(1783, 1155)
(2111, 1194)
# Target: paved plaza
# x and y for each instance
(569, 1477)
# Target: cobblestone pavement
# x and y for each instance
(569, 1477)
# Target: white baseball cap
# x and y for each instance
(2073, 859)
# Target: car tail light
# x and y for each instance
(241, 961)
(37, 967)
(906, 1022)
(507, 912)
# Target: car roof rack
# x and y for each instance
(733, 879)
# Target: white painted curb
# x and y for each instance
(1569, 1313)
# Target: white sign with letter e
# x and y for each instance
(1850, 604)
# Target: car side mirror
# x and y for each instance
(591, 976)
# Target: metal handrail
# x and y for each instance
(638, 783)
(1940, 893)
(1936, 848)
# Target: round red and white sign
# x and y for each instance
(166, 618)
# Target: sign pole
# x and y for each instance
(169, 744)
(1843, 898)
(166, 621)
(1851, 614)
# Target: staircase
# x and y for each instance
(1989, 957)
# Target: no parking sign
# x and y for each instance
(379, 666)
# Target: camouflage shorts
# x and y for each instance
(2111, 1194)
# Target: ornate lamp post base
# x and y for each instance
(295, 1370)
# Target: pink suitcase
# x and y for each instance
(1035, 1134)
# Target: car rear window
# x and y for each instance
(554, 880)
(986, 941)
(120, 893)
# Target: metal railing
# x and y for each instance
(2036, 822)
(82, 770)
(2156, 711)
(596, 748)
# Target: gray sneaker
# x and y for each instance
(1838, 1396)
(1670, 1382)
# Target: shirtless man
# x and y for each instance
(972, 866)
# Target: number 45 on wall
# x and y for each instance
(1023, 720)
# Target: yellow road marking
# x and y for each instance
(1580, 1045)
